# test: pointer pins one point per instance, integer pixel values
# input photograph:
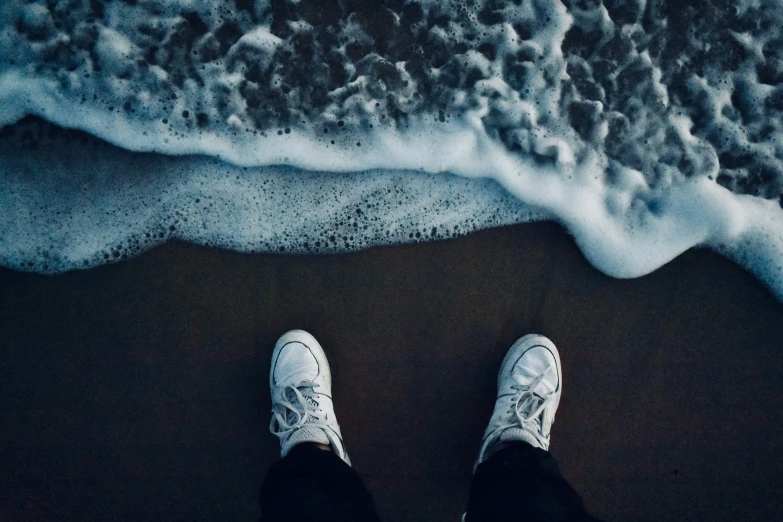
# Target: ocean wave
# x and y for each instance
(644, 127)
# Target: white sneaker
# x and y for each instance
(529, 386)
(301, 387)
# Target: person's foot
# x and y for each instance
(529, 385)
(301, 387)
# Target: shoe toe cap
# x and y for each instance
(295, 363)
(534, 362)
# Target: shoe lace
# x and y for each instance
(298, 407)
(526, 410)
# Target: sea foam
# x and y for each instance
(645, 128)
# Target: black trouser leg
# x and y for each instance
(309, 485)
(521, 483)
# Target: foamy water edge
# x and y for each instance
(63, 206)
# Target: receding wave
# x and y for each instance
(644, 127)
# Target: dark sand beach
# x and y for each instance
(138, 391)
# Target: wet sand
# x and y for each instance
(138, 391)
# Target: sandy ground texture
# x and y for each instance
(138, 391)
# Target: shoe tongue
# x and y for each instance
(293, 417)
(304, 434)
(512, 434)
(530, 403)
